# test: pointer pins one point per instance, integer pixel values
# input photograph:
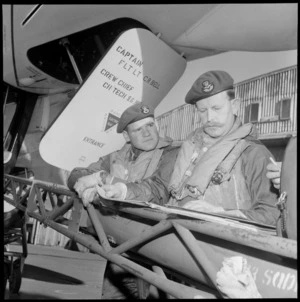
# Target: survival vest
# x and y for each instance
(211, 170)
(122, 165)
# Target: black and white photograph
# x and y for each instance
(150, 151)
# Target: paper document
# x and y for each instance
(212, 217)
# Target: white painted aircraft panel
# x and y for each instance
(138, 67)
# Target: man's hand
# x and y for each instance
(86, 182)
(202, 206)
(117, 190)
(274, 170)
(89, 181)
(88, 195)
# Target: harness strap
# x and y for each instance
(282, 221)
(154, 162)
(223, 170)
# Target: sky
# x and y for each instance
(240, 65)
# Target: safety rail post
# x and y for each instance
(40, 201)
(14, 190)
(160, 272)
(76, 215)
(51, 199)
(198, 254)
(148, 234)
(64, 208)
(98, 227)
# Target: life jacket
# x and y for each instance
(122, 165)
(212, 171)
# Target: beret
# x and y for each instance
(208, 84)
(133, 114)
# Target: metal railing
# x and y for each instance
(18, 190)
(27, 195)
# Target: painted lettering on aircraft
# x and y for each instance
(286, 281)
(151, 82)
(120, 86)
(281, 280)
(128, 67)
(128, 55)
(125, 85)
(93, 142)
(108, 75)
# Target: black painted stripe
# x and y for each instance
(12, 44)
(27, 19)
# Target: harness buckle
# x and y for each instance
(193, 190)
(281, 205)
(281, 201)
(217, 177)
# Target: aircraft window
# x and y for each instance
(87, 47)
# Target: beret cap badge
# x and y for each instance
(207, 86)
(145, 109)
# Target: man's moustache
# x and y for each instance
(212, 125)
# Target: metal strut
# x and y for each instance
(173, 288)
(199, 250)
(65, 43)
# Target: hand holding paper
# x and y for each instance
(86, 182)
(117, 190)
(88, 195)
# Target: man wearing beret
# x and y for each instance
(145, 156)
(222, 166)
(138, 158)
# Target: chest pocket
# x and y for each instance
(144, 166)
